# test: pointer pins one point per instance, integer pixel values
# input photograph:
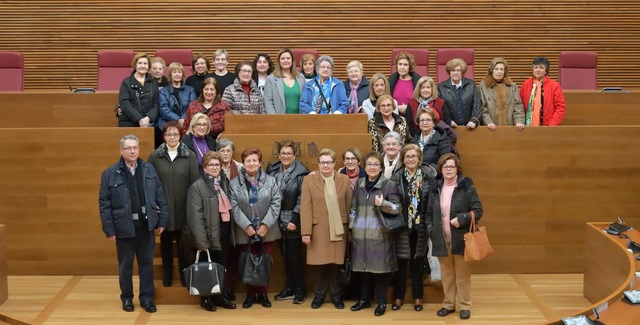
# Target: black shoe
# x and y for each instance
(248, 302)
(264, 300)
(166, 280)
(286, 294)
(397, 304)
(417, 305)
(317, 302)
(127, 305)
(221, 301)
(380, 309)
(207, 304)
(444, 312)
(465, 314)
(299, 296)
(230, 296)
(360, 305)
(338, 303)
(149, 307)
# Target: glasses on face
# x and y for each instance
(386, 105)
(350, 159)
(213, 165)
(425, 120)
(325, 163)
(224, 150)
(410, 157)
(449, 167)
(286, 154)
(130, 148)
(201, 125)
(246, 70)
(323, 67)
(172, 135)
(391, 144)
(373, 165)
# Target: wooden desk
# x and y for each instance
(597, 108)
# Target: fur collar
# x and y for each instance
(183, 151)
(490, 82)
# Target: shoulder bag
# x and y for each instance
(476, 242)
(204, 278)
(255, 269)
(344, 273)
(391, 223)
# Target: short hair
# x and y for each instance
(407, 56)
(138, 57)
(307, 57)
(541, 60)
(449, 156)
(172, 124)
(373, 80)
(219, 52)
(210, 155)
(324, 58)
(176, 66)
(453, 63)
(198, 57)
(206, 82)
(278, 69)
(223, 142)
(355, 64)
(251, 151)
(159, 60)
(411, 146)
(327, 152)
(194, 121)
(287, 144)
(434, 87)
(382, 99)
(392, 134)
(373, 154)
(128, 137)
(355, 151)
(242, 64)
(427, 110)
(269, 61)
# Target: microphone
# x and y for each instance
(620, 220)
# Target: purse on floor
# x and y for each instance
(476, 242)
(344, 273)
(255, 269)
(204, 278)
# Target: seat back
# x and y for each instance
(298, 53)
(184, 56)
(578, 70)
(420, 55)
(445, 55)
(113, 67)
(11, 71)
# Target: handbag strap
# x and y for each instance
(473, 227)
(322, 95)
(198, 256)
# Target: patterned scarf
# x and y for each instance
(415, 184)
(353, 98)
(534, 106)
(223, 201)
(252, 187)
(424, 103)
(425, 139)
(320, 104)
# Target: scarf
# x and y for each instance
(252, 189)
(336, 229)
(424, 103)
(353, 98)
(389, 166)
(422, 142)
(223, 201)
(353, 176)
(445, 206)
(534, 106)
(320, 104)
(414, 185)
(172, 152)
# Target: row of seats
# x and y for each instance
(576, 70)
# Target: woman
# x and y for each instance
(384, 121)
(357, 87)
(447, 219)
(284, 86)
(351, 159)
(255, 201)
(372, 251)
(209, 103)
(209, 222)
(175, 97)
(243, 95)
(324, 94)
(431, 139)
(426, 95)
(262, 67)
(201, 66)
(542, 96)
(379, 86)
(230, 167)
(139, 96)
(461, 96)
(198, 138)
(404, 80)
(177, 168)
(501, 103)
(308, 64)
(324, 208)
(413, 181)
(157, 72)
(391, 157)
(289, 174)
(221, 74)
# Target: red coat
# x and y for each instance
(553, 106)
(215, 113)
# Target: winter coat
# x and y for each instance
(553, 104)
(492, 104)
(267, 208)
(314, 219)
(437, 146)
(378, 129)
(337, 99)
(211, 143)
(369, 107)
(363, 89)
(373, 250)
(290, 191)
(274, 102)
(216, 115)
(240, 103)
(172, 108)
(467, 110)
(137, 100)
(437, 105)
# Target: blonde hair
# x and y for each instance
(434, 88)
(176, 66)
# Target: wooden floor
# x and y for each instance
(497, 299)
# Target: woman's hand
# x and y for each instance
(262, 231)
(454, 125)
(291, 226)
(378, 200)
(471, 125)
(519, 126)
(454, 222)
(144, 122)
(306, 239)
(491, 126)
(250, 231)
(402, 108)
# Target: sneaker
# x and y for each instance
(286, 294)
(299, 296)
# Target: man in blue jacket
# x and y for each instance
(132, 205)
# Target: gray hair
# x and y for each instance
(223, 142)
(324, 58)
(129, 137)
(392, 134)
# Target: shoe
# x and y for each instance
(338, 303)
(207, 304)
(444, 312)
(465, 314)
(166, 280)
(127, 305)
(149, 307)
(230, 296)
(248, 302)
(397, 304)
(317, 302)
(380, 309)
(286, 294)
(221, 301)
(360, 305)
(264, 300)
(299, 296)
(417, 305)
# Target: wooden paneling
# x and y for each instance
(60, 38)
(595, 108)
(4, 293)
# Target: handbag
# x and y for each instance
(255, 269)
(476, 242)
(204, 278)
(285, 218)
(433, 264)
(344, 272)
(391, 223)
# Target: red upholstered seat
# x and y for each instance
(298, 53)
(184, 56)
(113, 67)
(11, 71)
(445, 55)
(421, 56)
(578, 70)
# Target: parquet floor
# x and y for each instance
(497, 299)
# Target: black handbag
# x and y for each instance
(204, 278)
(391, 223)
(285, 217)
(344, 273)
(255, 269)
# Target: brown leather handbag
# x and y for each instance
(476, 242)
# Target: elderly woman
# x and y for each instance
(210, 104)
(324, 94)
(284, 86)
(157, 72)
(426, 95)
(200, 65)
(198, 138)
(431, 139)
(461, 96)
(177, 168)
(324, 209)
(308, 66)
(139, 95)
(404, 80)
(542, 96)
(209, 222)
(372, 249)
(351, 159)
(243, 95)
(221, 74)
(379, 86)
(384, 121)
(262, 67)
(357, 87)
(447, 219)
(501, 103)
(289, 173)
(391, 156)
(255, 201)
(413, 181)
(230, 167)
(175, 97)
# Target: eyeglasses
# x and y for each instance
(391, 144)
(425, 120)
(371, 165)
(386, 105)
(407, 157)
(449, 167)
(350, 159)
(325, 163)
(202, 125)
(172, 135)
(130, 148)
(246, 71)
(214, 166)
(286, 154)
(224, 150)
(323, 67)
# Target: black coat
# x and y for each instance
(292, 190)
(393, 79)
(437, 146)
(363, 89)
(470, 108)
(137, 100)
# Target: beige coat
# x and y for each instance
(314, 219)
